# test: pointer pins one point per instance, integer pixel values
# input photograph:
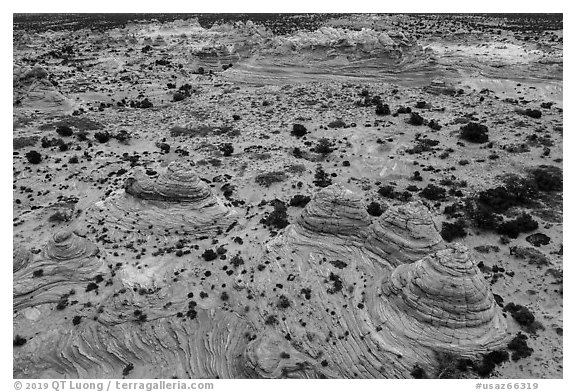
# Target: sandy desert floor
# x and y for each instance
(162, 176)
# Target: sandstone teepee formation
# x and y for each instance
(175, 203)
(334, 211)
(442, 302)
(404, 234)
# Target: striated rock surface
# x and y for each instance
(441, 302)
(334, 211)
(178, 183)
(67, 245)
(66, 260)
(20, 258)
(175, 203)
(404, 233)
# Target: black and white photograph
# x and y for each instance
(329, 195)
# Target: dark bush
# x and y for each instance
(374, 209)
(415, 119)
(102, 137)
(491, 360)
(418, 373)
(387, 191)
(178, 96)
(64, 130)
(76, 320)
(298, 130)
(283, 302)
(299, 201)
(451, 231)
(524, 223)
(227, 149)
(337, 124)
(91, 286)
(382, 109)
(19, 341)
(534, 113)
(278, 218)
(267, 179)
(484, 218)
(519, 347)
(209, 255)
(548, 178)
(34, 157)
(420, 105)
(324, 146)
(434, 125)
(433, 192)
(474, 133)
(521, 314)
(130, 366)
(321, 178)
(403, 110)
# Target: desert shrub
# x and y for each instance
(324, 146)
(382, 109)
(336, 283)
(38, 273)
(298, 130)
(434, 125)
(227, 149)
(178, 96)
(130, 366)
(64, 130)
(59, 216)
(34, 157)
(418, 372)
(521, 314)
(534, 113)
(278, 218)
(415, 119)
(490, 361)
(102, 137)
(403, 110)
(484, 218)
(19, 341)
(237, 261)
(433, 192)
(547, 178)
(76, 320)
(91, 286)
(420, 105)
(283, 302)
(299, 201)
(267, 179)
(387, 191)
(337, 124)
(519, 347)
(24, 141)
(522, 224)
(164, 147)
(451, 231)
(321, 178)
(474, 133)
(224, 296)
(209, 255)
(271, 320)
(374, 209)
(531, 255)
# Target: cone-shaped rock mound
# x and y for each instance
(175, 203)
(443, 301)
(67, 245)
(178, 183)
(404, 234)
(335, 210)
(20, 258)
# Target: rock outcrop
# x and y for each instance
(175, 203)
(334, 211)
(442, 302)
(177, 184)
(65, 261)
(404, 233)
